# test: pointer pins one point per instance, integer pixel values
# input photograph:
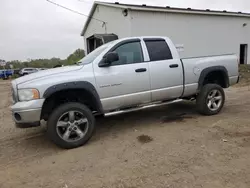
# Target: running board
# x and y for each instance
(142, 107)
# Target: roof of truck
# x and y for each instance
(145, 7)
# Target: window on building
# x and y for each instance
(158, 50)
(97, 40)
(129, 53)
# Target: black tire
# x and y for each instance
(202, 99)
(57, 113)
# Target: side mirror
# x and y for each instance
(108, 59)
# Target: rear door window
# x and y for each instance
(158, 50)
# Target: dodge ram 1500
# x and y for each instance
(121, 76)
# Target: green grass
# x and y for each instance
(244, 71)
(244, 68)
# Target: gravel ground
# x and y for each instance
(170, 146)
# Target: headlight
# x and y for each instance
(28, 94)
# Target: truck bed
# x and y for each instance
(194, 66)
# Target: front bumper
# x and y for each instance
(27, 116)
(27, 111)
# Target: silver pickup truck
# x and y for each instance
(121, 76)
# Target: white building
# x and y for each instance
(195, 32)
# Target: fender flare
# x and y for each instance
(208, 70)
(75, 85)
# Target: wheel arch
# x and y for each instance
(82, 88)
(215, 71)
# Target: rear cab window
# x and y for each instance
(158, 49)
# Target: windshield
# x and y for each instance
(91, 56)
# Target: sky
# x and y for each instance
(32, 29)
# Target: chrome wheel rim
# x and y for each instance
(72, 126)
(214, 100)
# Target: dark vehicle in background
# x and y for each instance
(16, 71)
(5, 74)
(26, 71)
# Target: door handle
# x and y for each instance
(174, 66)
(141, 70)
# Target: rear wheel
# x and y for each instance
(210, 99)
(71, 125)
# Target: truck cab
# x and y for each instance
(139, 76)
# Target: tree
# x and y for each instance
(76, 56)
(48, 63)
(2, 63)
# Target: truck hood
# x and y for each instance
(46, 73)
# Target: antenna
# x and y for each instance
(74, 11)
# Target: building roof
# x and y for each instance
(145, 7)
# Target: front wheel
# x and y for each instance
(71, 125)
(210, 99)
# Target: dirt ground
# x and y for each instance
(171, 146)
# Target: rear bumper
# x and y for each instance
(233, 80)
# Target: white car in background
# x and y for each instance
(26, 71)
